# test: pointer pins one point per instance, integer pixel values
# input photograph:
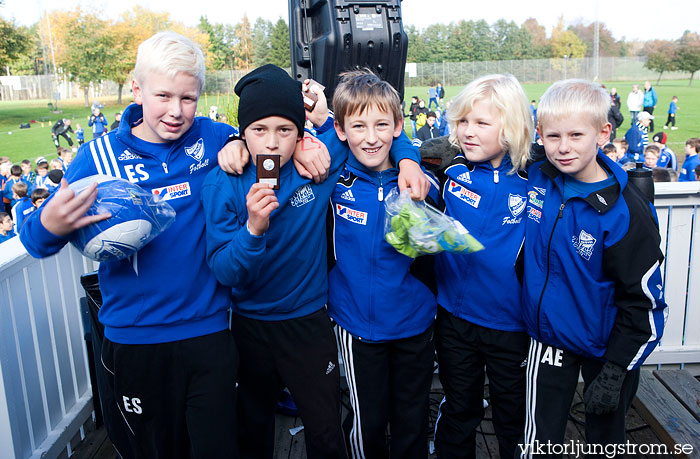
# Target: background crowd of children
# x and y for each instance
(24, 185)
(25, 188)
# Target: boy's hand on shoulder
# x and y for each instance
(65, 213)
(320, 112)
(233, 157)
(311, 158)
(260, 202)
(411, 176)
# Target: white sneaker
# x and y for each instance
(665, 127)
(674, 128)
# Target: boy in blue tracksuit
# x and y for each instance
(672, 109)
(79, 134)
(667, 158)
(169, 357)
(479, 329)
(42, 176)
(692, 160)
(15, 177)
(98, 122)
(270, 247)
(384, 313)
(593, 298)
(23, 205)
(65, 156)
(637, 137)
(28, 175)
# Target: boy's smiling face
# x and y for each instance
(571, 144)
(369, 135)
(273, 135)
(169, 106)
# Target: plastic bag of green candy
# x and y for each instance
(415, 228)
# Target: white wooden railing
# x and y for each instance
(45, 392)
(678, 208)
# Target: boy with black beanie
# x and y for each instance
(270, 247)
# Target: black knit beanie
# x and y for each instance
(269, 91)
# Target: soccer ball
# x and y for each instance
(137, 218)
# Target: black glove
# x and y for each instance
(603, 394)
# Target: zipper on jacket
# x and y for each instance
(373, 257)
(546, 277)
(165, 167)
(380, 191)
(495, 176)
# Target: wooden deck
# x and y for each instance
(97, 446)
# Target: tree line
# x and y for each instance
(468, 41)
(89, 49)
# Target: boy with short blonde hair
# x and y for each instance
(592, 289)
(169, 357)
(651, 156)
(42, 178)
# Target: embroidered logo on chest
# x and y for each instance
(516, 205)
(303, 195)
(196, 151)
(584, 244)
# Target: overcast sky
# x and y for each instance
(642, 19)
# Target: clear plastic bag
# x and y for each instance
(137, 218)
(415, 228)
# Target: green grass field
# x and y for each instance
(36, 141)
(687, 117)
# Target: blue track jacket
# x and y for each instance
(688, 169)
(637, 139)
(482, 287)
(98, 123)
(372, 293)
(592, 283)
(283, 273)
(166, 292)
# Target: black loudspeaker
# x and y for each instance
(328, 37)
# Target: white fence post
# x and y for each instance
(45, 386)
